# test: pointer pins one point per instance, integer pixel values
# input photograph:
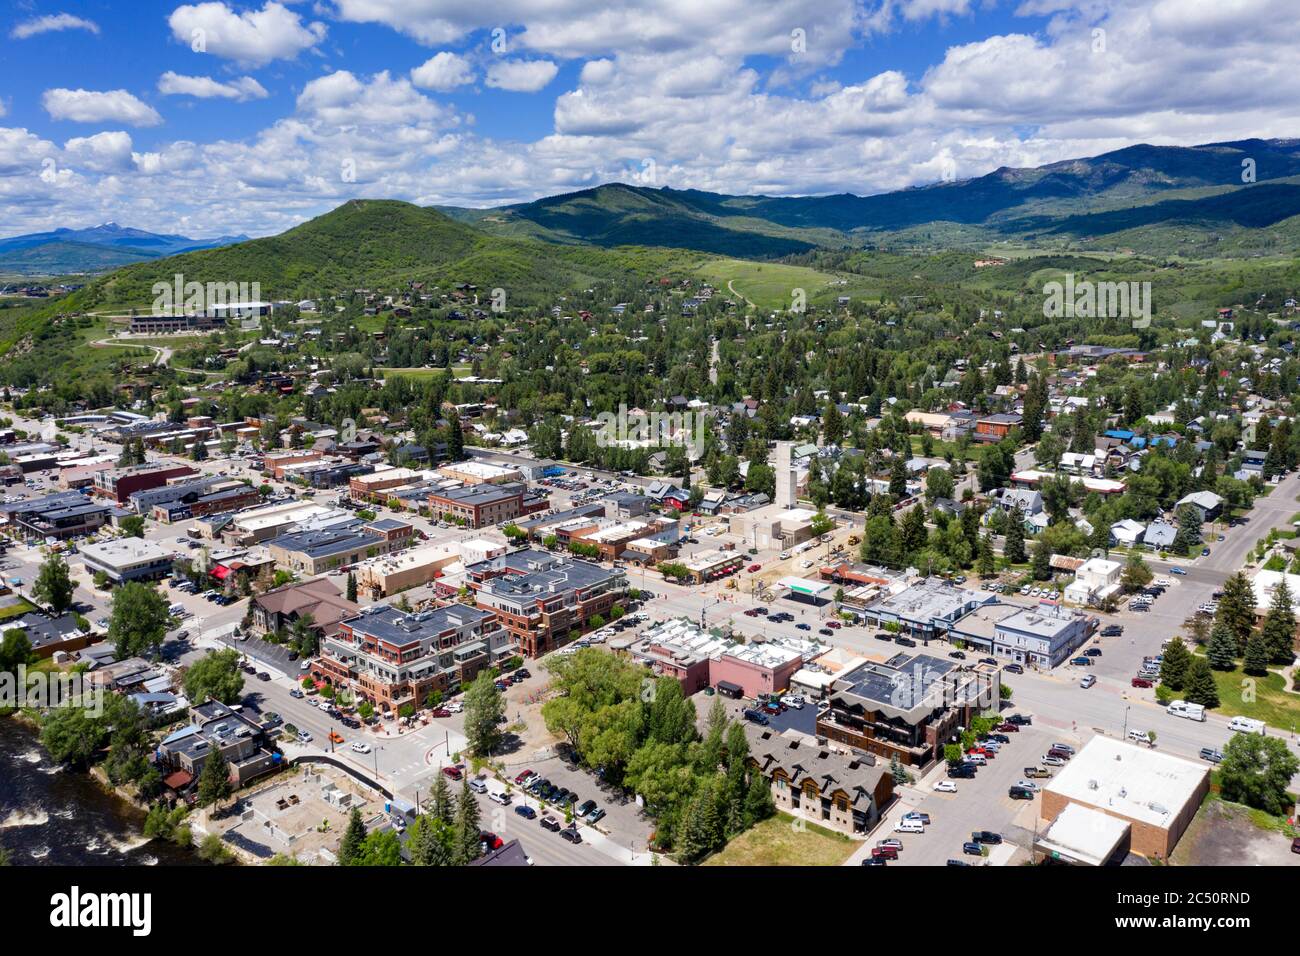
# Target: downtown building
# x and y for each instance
(545, 600)
(392, 658)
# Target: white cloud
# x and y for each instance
(52, 23)
(341, 99)
(443, 72)
(90, 106)
(521, 76)
(695, 90)
(203, 87)
(103, 152)
(254, 38)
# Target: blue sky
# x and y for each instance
(286, 109)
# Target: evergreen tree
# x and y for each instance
(1237, 608)
(1200, 687)
(1189, 530)
(352, 587)
(1221, 651)
(1255, 661)
(214, 780)
(466, 827)
(1042, 563)
(1279, 626)
(1173, 669)
(1014, 547)
(441, 805)
(354, 837)
(987, 564)
(758, 799)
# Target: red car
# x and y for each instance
(453, 772)
(755, 567)
(1007, 728)
(834, 625)
(1141, 682)
(440, 712)
(523, 776)
(490, 840)
(885, 852)
(987, 754)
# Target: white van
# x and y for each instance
(1247, 725)
(977, 759)
(909, 826)
(1139, 737)
(499, 796)
(1181, 708)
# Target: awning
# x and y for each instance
(804, 586)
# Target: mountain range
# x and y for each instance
(102, 247)
(1220, 199)
(1218, 188)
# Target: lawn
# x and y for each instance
(770, 285)
(776, 842)
(1265, 698)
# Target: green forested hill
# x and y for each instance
(380, 243)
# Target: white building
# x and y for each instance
(1095, 581)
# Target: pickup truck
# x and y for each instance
(1032, 772)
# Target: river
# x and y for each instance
(55, 817)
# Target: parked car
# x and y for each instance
(1027, 784)
(945, 786)
(1008, 728)
(550, 823)
(1141, 682)
(525, 811)
(521, 778)
(453, 772)
(1050, 761)
(1037, 772)
(1212, 755)
(986, 836)
(1013, 669)
(973, 849)
(571, 834)
(1020, 720)
(884, 852)
(1020, 793)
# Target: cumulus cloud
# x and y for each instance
(91, 106)
(103, 152)
(443, 72)
(253, 38)
(693, 90)
(51, 24)
(204, 88)
(521, 76)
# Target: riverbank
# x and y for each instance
(51, 816)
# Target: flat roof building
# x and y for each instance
(1155, 793)
(128, 559)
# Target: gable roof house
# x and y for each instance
(809, 780)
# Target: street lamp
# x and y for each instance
(1126, 710)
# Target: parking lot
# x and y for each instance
(980, 803)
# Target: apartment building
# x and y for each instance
(392, 658)
(545, 600)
